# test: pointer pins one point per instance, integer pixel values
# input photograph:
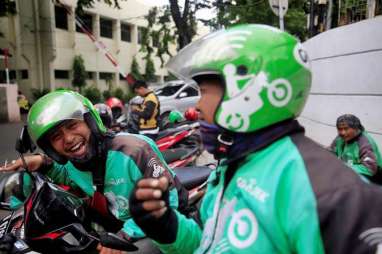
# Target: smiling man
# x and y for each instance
(356, 147)
(105, 166)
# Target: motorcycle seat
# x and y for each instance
(191, 177)
(180, 153)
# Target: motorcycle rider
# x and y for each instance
(118, 112)
(66, 126)
(105, 113)
(148, 112)
(275, 190)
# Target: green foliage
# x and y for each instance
(119, 93)
(81, 4)
(106, 94)
(135, 69)
(37, 93)
(79, 72)
(254, 11)
(93, 94)
(128, 96)
(150, 71)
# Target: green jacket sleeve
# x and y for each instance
(188, 237)
(58, 174)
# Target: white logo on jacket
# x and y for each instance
(250, 186)
(243, 229)
(157, 169)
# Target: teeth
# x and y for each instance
(76, 147)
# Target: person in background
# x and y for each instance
(148, 112)
(356, 147)
(23, 102)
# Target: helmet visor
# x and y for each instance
(198, 58)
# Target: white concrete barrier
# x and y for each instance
(347, 78)
(9, 109)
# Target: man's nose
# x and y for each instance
(68, 136)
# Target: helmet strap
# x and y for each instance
(225, 141)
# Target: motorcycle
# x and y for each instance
(53, 220)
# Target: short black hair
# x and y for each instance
(139, 83)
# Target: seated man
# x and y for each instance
(356, 147)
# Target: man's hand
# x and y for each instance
(34, 162)
(105, 250)
(149, 206)
(149, 193)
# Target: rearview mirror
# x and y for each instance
(24, 142)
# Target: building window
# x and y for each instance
(61, 17)
(24, 74)
(106, 27)
(106, 75)
(90, 75)
(87, 21)
(3, 76)
(125, 32)
(141, 34)
(61, 74)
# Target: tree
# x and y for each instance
(135, 69)
(255, 11)
(185, 20)
(79, 73)
(150, 70)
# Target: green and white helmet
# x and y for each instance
(266, 73)
(56, 107)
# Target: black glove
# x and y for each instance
(163, 229)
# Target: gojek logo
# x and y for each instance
(243, 102)
(157, 169)
(373, 237)
(243, 229)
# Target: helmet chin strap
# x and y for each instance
(225, 141)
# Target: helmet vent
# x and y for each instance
(242, 70)
(303, 55)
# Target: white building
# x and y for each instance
(43, 40)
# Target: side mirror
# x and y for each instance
(24, 142)
(182, 95)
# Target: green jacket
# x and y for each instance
(129, 158)
(361, 154)
(281, 199)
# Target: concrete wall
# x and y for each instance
(9, 109)
(347, 78)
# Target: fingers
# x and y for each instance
(161, 183)
(153, 205)
(13, 166)
(159, 213)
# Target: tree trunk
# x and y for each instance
(184, 35)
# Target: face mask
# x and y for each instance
(209, 133)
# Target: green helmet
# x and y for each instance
(56, 107)
(175, 116)
(266, 74)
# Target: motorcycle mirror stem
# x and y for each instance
(24, 144)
